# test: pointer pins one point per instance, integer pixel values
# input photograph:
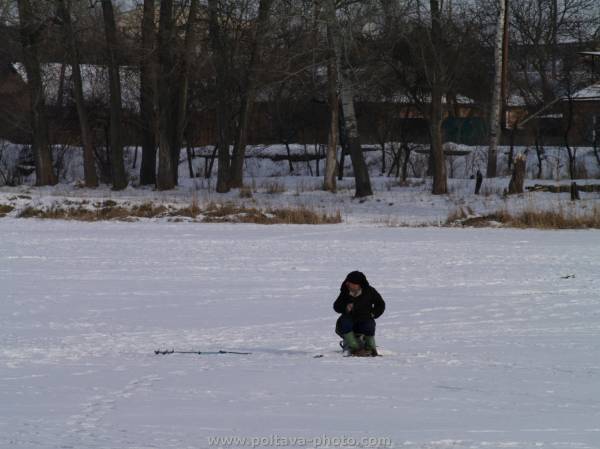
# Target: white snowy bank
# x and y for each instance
(269, 185)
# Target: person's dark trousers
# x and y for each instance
(346, 324)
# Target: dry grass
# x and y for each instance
(246, 192)
(5, 209)
(21, 197)
(191, 211)
(460, 213)
(491, 190)
(533, 218)
(303, 215)
(106, 211)
(148, 210)
(412, 183)
(107, 203)
(563, 188)
(303, 186)
(274, 187)
(559, 219)
(30, 212)
(221, 213)
(212, 213)
(395, 222)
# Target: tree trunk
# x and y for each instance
(435, 123)
(89, 160)
(518, 176)
(575, 192)
(165, 179)
(343, 142)
(438, 160)
(190, 157)
(539, 151)
(571, 152)
(30, 37)
(289, 155)
(208, 168)
(60, 95)
(361, 173)
(505, 72)
(119, 177)
(135, 158)
(220, 58)
(148, 92)
(478, 182)
(596, 142)
(497, 93)
(329, 182)
(405, 162)
(511, 151)
(249, 92)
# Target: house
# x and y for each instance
(586, 115)
(14, 104)
(592, 58)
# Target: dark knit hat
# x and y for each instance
(356, 277)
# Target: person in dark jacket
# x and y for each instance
(360, 305)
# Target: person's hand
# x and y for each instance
(349, 307)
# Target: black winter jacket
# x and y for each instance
(369, 304)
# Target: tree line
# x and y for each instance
(225, 55)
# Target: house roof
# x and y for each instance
(589, 53)
(590, 93)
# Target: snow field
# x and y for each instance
(487, 341)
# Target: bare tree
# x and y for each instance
(497, 92)
(361, 173)
(182, 87)
(174, 73)
(89, 159)
(437, 83)
(249, 92)
(550, 31)
(544, 29)
(119, 177)
(31, 28)
(426, 53)
(334, 107)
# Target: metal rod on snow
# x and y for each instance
(172, 351)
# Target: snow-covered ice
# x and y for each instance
(490, 338)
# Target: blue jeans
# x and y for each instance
(346, 324)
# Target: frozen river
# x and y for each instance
(491, 338)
